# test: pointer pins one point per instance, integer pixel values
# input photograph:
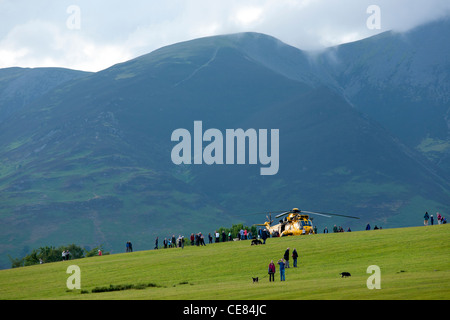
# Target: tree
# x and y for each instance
(94, 251)
(51, 254)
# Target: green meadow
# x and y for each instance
(414, 264)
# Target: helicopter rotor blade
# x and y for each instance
(256, 213)
(326, 214)
(282, 214)
(320, 214)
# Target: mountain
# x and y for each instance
(89, 161)
(20, 86)
(401, 80)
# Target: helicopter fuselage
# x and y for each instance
(292, 225)
(296, 222)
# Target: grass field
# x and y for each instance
(414, 264)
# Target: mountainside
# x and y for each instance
(401, 80)
(20, 86)
(89, 162)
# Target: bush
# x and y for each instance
(120, 287)
(235, 228)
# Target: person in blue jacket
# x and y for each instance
(281, 263)
(425, 218)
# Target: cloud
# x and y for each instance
(44, 44)
(38, 33)
(247, 15)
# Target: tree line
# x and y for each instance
(52, 254)
(236, 228)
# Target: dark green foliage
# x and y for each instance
(121, 287)
(51, 254)
(235, 229)
(94, 252)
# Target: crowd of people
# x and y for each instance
(283, 264)
(171, 242)
(198, 239)
(441, 219)
(335, 229)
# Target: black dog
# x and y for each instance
(345, 274)
(256, 242)
(255, 279)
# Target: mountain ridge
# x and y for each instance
(20, 86)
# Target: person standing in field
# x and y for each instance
(174, 242)
(202, 239)
(439, 217)
(294, 257)
(271, 271)
(286, 257)
(425, 219)
(264, 235)
(217, 236)
(281, 263)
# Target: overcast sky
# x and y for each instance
(92, 35)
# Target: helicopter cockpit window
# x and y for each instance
(304, 223)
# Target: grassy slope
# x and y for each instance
(224, 270)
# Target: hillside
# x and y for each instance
(402, 81)
(21, 86)
(413, 262)
(89, 161)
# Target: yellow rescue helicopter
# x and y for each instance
(295, 222)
